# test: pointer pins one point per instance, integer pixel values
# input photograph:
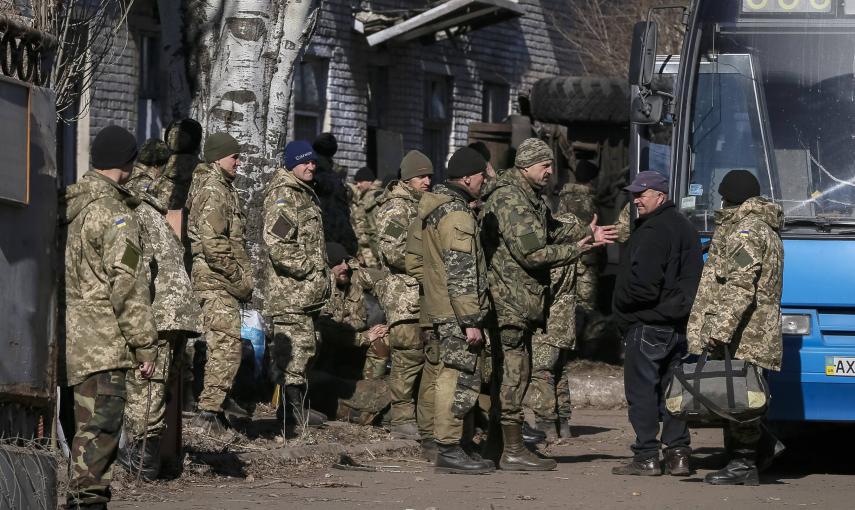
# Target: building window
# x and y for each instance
(149, 123)
(310, 97)
(437, 120)
(496, 100)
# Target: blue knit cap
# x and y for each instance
(298, 152)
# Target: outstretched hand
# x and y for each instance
(606, 234)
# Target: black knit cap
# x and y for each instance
(738, 186)
(482, 149)
(364, 174)
(585, 171)
(325, 145)
(113, 147)
(464, 162)
(336, 254)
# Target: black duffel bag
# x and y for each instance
(712, 391)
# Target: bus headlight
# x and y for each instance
(795, 324)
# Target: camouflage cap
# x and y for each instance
(531, 152)
(184, 136)
(153, 152)
(415, 164)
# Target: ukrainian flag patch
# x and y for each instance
(120, 223)
(744, 233)
(280, 202)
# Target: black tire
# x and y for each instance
(572, 99)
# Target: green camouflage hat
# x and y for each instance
(184, 136)
(531, 152)
(153, 152)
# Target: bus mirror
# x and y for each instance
(646, 110)
(642, 57)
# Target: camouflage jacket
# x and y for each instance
(215, 226)
(522, 242)
(108, 318)
(297, 276)
(173, 185)
(142, 178)
(344, 315)
(739, 297)
(623, 224)
(173, 303)
(334, 199)
(455, 273)
(398, 293)
(364, 224)
(561, 317)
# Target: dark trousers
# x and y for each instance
(651, 353)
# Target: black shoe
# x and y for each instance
(297, 410)
(647, 467)
(472, 450)
(515, 455)
(531, 435)
(136, 461)
(233, 410)
(452, 459)
(676, 461)
(86, 506)
(739, 471)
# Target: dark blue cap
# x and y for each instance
(298, 152)
(648, 179)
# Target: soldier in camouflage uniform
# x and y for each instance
(548, 395)
(222, 276)
(335, 198)
(183, 139)
(399, 292)
(622, 225)
(522, 243)
(739, 302)
(297, 276)
(177, 316)
(366, 189)
(153, 155)
(343, 319)
(455, 287)
(578, 199)
(109, 328)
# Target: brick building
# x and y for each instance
(409, 94)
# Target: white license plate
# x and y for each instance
(840, 366)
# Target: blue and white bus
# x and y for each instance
(769, 86)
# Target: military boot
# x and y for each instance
(452, 459)
(143, 461)
(741, 470)
(211, 423)
(548, 429)
(233, 410)
(531, 435)
(429, 450)
(297, 410)
(407, 430)
(188, 403)
(564, 430)
(516, 457)
(676, 461)
(645, 467)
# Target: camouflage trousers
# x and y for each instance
(221, 324)
(515, 375)
(295, 343)
(426, 407)
(138, 402)
(99, 403)
(375, 362)
(743, 436)
(458, 383)
(548, 394)
(408, 358)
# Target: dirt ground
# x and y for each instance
(815, 473)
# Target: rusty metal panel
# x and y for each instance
(27, 266)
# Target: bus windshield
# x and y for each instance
(781, 104)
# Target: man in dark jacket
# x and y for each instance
(656, 285)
